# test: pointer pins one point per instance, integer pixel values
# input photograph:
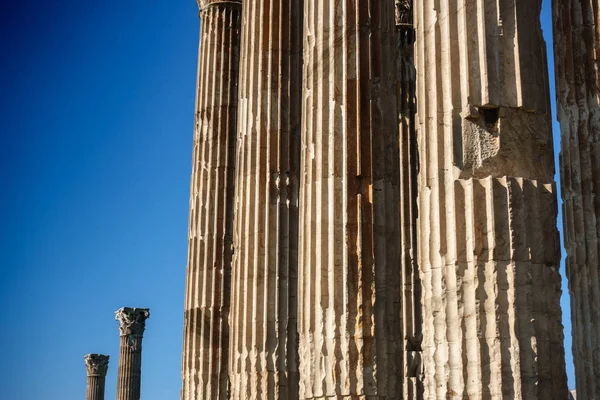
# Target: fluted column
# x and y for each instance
(349, 262)
(409, 168)
(132, 325)
(576, 47)
(264, 295)
(489, 253)
(96, 366)
(207, 300)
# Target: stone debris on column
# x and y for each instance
(96, 366)
(489, 252)
(132, 323)
(207, 299)
(576, 46)
(263, 344)
(349, 279)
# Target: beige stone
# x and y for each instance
(576, 46)
(210, 233)
(377, 253)
(488, 252)
(349, 280)
(263, 343)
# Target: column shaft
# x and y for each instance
(264, 300)
(489, 252)
(576, 45)
(130, 368)
(349, 275)
(207, 302)
(95, 388)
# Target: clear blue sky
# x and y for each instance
(97, 111)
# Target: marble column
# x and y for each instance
(489, 249)
(96, 366)
(576, 47)
(349, 245)
(263, 345)
(409, 168)
(207, 299)
(132, 325)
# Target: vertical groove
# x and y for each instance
(409, 168)
(488, 253)
(576, 43)
(349, 276)
(263, 354)
(206, 328)
(130, 367)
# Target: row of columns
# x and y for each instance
(132, 323)
(345, 243)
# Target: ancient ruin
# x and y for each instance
(373, 206)
(132, 323)
(96, 366)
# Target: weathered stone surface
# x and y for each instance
(576, 46)
(263, 345)
(132, 323)
(488, 251)
(207, 299)
(349, 278)
(96, 366)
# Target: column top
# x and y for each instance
(133, 320)
(202, 4)
(96, 364)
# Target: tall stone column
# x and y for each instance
(96, 366)
(489, 249)
(132, 325)
(264, 311)
(207, 299)
(409, 168)
(349, 261)
(576, 47)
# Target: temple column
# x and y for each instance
(132, 325)
(576, 47)
(489, 249)
(349, 261)
(96, 366)
(263, 344)
(207, 299)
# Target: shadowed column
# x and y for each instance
(96, 366)
(133, 323)
(576, 47)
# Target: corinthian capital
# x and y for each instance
(202, 4)
(133, 320)
(96, 364)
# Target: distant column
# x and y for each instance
(133, 323)
(96, 365)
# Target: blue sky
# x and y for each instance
(95, 157)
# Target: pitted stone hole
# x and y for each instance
(490, 115)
